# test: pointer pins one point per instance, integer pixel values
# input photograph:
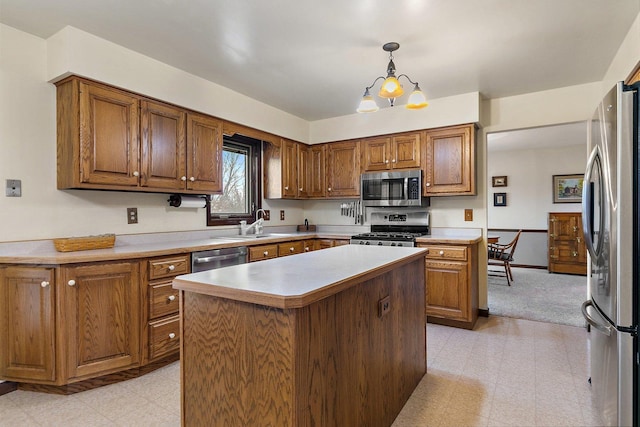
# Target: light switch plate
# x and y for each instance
(14, 188)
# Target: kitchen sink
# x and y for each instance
(256, 236)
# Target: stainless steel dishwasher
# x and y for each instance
(218, 258)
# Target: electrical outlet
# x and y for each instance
(14, 188)
(384, 306)
(468, 214)
(281, 215)
(132, 215)
(266, 215)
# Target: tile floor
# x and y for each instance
(506, 372)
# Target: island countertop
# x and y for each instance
(298, 280)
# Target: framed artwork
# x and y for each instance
(567, 188)
(499, 199)
(498, 181)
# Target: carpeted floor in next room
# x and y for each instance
(538, 295)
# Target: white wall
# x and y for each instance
(529, 184)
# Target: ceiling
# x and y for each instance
(314, 58)
(555, 136)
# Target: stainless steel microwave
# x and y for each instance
(397, 188)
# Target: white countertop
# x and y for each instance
(294, 281)
(159, 244)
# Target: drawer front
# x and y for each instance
(163, 300)
(168, 266)
(164, 336)
(259, 253)
(447, 252)
(291, 248)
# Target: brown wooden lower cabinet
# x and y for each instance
(27, 324)
(451, 281)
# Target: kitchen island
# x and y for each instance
(326, 338)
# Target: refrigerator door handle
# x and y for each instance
(588, 205)
(605, 329)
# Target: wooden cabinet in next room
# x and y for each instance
(567, 250)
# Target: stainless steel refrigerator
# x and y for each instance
(610, 224)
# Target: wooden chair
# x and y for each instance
(503, 255)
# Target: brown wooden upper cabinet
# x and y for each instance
(448, 161)
(395, 152)
(281, 161)
(110, 139)
(343, 169)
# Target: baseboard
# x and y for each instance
(483, 312)
(539, 267)
(7, 387)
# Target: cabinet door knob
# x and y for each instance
(172, 336)
(393, 161)
(386, 161)
(172, 267)
(265, 253)
(172, 298)
(136, 173)
(44, 284)
(183, 178)
(291, 249)
(428, 184)
(286, 187)
(192, 179)
(329, 189)
(300, 189)
(441, 253)
(71, 282)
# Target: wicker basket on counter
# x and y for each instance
(70, 244)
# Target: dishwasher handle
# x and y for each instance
(605, 329)
(217, 258)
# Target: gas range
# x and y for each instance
(394, 228)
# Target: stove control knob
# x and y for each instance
(379, 243)
(393, 244)
(400, 244)
(367, 243)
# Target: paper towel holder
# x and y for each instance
(180, 200)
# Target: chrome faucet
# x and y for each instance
(257, 225)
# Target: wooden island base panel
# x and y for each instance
(348, 353)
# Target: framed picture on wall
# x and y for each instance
(499, 199)
(567, 188)
(498, 181)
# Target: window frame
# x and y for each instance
(254, 187)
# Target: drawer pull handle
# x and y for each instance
(172, 336)
(441, 253)
(44, 284)
(291, 249)
(428, 184)
(306, 249)
(172, 267)
(71, 282)
(265, 253)
(172, 298)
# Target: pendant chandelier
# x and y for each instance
(391, 87)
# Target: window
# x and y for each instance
(241, 189)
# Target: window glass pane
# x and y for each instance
(236, 194)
